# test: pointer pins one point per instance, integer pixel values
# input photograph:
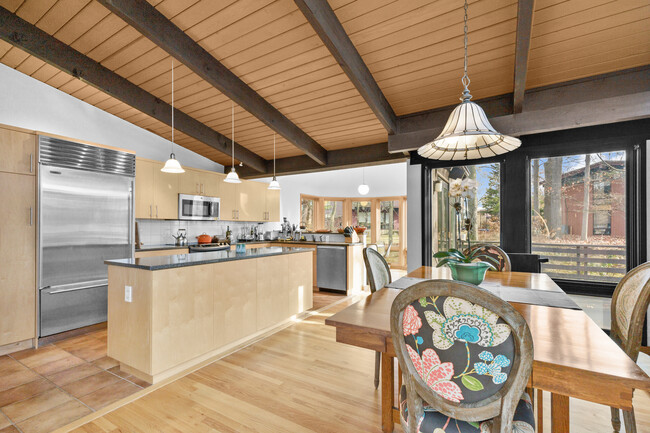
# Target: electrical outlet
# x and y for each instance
(128, 293)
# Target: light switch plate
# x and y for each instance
(128, 293)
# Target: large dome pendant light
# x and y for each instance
(172, 165)
(274, 183)
(232, 176)
(468, 133)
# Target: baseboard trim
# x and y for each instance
(6, 349)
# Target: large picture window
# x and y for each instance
(578, 215)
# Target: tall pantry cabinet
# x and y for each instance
(18, 167)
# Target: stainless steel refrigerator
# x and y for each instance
(85, 217)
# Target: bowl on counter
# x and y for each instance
(359, 230)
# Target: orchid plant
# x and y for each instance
(454, 255)
(462, 190)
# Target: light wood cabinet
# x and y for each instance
(272, 294)
(144, 188)
(272, 210)
(18, 257)
(235, 301)
(18, 152)
(165, 194)
(156, 193)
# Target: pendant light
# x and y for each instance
(363, 188)
(468, 133)
(232, 176)
(274, 183)
(172, 165)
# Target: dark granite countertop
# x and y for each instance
(340, 244)
(182, 260)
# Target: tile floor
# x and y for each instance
(46, 388)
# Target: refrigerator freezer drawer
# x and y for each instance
(65, 308)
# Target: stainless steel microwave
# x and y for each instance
(198, 207)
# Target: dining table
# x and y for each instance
(573, 356)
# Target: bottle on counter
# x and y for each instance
(228, 233)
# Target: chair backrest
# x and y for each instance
(377, 268)
(526, 262)
(462, 350)
(496, 253)
(629, 307)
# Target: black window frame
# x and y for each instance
(629, 136)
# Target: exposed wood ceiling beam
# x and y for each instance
(154, 25)
(326, 24)
(33, 40)
(522, 48)
(362, 156)
(608, 98)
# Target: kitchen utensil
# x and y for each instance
(204, 239)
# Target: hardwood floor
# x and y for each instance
(49, 387)
(323, 299)
(297, 380)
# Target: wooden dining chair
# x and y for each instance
(629, 307)
(466, 357)
(496, 253)
(378, 277)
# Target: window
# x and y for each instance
(389, 218)
(362, 216)
(307, 213)
(578, 215)
(483, 209)
(333, 214)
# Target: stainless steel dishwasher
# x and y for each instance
(331, 268)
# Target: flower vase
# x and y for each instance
(473, 273)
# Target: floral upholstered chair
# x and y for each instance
(466, 357)
(496, 253)
(378, 276)
(629, 306)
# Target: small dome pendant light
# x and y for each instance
(172, 165)
(468, 133)
(363, 188)
(232, 177)
(274, 183)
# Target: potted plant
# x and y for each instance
(470, 268)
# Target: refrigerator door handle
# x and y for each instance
(62, 288)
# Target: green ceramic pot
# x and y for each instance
(473, 273)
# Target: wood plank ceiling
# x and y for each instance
(413, 50)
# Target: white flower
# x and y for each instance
(455, 187)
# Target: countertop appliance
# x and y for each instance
(331, 268)
(204, 248)
(85, 217)
(198, 207)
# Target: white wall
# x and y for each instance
(414, 217)
(384, 181)
(28, 103)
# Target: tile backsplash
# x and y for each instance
(159, 232)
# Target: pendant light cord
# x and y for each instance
(172, 106)
(465, 80)
(274, 155)
(232, 117)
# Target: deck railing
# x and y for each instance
(583, 262)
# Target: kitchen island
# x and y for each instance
(167, 314)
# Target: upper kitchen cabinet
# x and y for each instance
(213, 183)
(165, 193)
(229, 203)
(191, 182)
(18, 152)
(144, 188)
(272, 212)
(156, 193)
(252, 201)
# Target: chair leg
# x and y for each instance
(630, 422)
(616, 421)
(377, 364)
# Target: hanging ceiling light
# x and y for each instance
(232, 176)
(363, 188)
(274, 183)
(468, 133)
(172, 165)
